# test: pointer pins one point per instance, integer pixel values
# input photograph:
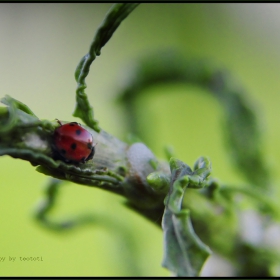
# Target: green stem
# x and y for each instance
(240, 121)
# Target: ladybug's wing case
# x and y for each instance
(73, 143)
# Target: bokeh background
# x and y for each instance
(41, 44)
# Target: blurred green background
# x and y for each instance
(41, 44)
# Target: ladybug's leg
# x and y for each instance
(59, 122)
(92, 153)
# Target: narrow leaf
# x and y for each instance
(184, 252)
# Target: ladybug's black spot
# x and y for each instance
(89, 146)
(73, 146)
(73, 123)
(78, 131)
(63, 151)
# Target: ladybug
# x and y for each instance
(73, 143)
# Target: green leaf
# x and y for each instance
(113, 19)
(8, 100)
(184, 252)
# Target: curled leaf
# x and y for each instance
(184, 252)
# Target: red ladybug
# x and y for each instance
(72, 143)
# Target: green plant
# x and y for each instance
(183, 196)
